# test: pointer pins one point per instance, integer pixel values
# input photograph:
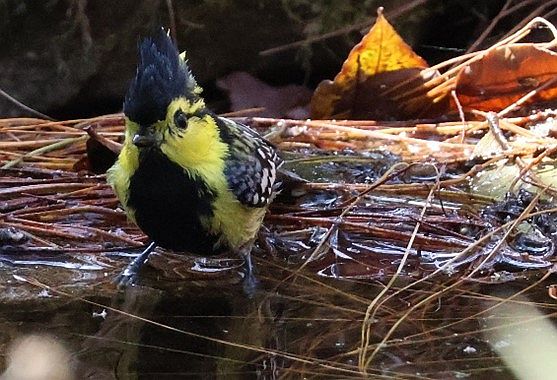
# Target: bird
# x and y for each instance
(191, 180)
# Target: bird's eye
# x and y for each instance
(180, 120)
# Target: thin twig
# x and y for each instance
(13, 100)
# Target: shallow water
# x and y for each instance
(295, 326)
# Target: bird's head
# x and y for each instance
(163, 94)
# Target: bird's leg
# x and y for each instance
(250, 281)
(129, 275)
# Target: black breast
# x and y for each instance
(168, 204)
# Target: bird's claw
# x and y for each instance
(250, 284)
(131, 273)
(126, 279)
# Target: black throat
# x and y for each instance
(168, 204)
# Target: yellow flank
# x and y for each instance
(119, 175)
(201, 152)
(237, 223)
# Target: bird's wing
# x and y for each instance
(251, 166)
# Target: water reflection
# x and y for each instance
(297, 325)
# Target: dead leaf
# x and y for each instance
(505, 75)
(246, 91)
(382, 78)
(487, 146)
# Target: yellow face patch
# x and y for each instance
(197, 147)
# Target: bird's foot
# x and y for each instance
(127, 277)
(250, 284)
(131, 273)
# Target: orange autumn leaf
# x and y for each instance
(381, 50)
(506, 74)
(378, 80)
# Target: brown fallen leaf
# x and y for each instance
(382, 78)
(506, 74)
(245, 92)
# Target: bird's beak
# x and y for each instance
(144, 137)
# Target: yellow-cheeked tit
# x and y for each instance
(191, 180)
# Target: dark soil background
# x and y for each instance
(74, 58)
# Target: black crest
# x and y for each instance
(161, 77)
